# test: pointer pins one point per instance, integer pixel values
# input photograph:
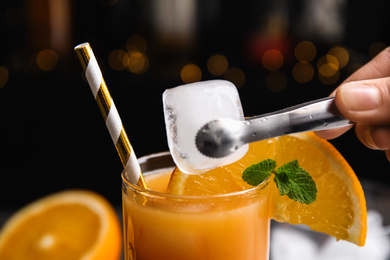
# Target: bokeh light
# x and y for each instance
(138, 62)
(46, 60)
(137, 43)
(328, 69)
(303, 72)
(217, 65)
(305, 51)
(236, 76)
(190, 73)
(4, 74)
(272, 60)
(328, 65)
(118, 60)
(328, 80)
(276, 81)
(341, 54)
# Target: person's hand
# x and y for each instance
(364, 98)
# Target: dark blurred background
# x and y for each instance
(278, 53)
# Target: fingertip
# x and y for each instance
(332, 133)
(324, 134)
(357, 97)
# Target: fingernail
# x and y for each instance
(360, 97)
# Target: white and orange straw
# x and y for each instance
(110, 113)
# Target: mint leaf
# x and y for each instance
(282, 177)
(290, 167)
(301, 186)
(291, 179)
(283, 183)
(257, 173)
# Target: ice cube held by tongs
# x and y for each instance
(206, 127)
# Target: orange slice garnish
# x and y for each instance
(340, 208)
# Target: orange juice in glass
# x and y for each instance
(158, 225)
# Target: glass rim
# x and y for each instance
(151, 193)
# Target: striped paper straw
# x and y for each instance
(110, 113)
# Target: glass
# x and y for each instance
(164, 226)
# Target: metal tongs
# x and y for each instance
(222, 137)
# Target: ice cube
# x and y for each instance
(187, 108)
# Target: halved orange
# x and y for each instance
(66, 225)
(340, 207)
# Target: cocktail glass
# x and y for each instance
(158, 225)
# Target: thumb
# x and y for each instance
(365, 101)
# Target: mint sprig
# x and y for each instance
(291, 179)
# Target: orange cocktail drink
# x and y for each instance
(158, 225)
